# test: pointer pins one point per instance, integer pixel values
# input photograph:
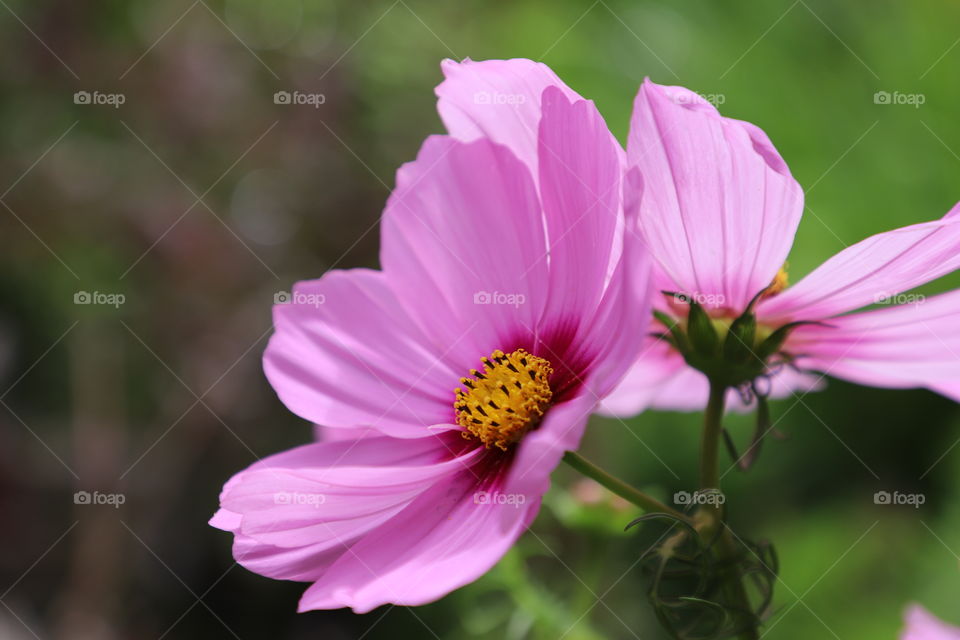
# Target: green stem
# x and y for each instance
(727, 548)
(619, 487)
(710, 439)
(713, 514)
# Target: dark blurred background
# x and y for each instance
(155, 198)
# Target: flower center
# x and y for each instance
(506, 399)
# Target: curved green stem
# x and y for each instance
(619, 487)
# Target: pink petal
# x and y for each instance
(295, 513)
(651, 382)
(618, 330)
(445, 539)
(499, 100)
(950, 389)
(353, 358)
(580, 189)
(908, 345)
(871, 270)
(328, 434)
(593, 308)
(540, 451)
(720, 208)
(921, 625)
(463, 247)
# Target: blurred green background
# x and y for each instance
(199, 198)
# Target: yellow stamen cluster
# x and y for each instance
(506, 399)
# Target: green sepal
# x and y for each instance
(738, 345)
(680, 340)
(775, 340)
(703, 335)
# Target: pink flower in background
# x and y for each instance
(921, 625)
(507, 307)
(719, 213)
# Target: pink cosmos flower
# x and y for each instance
(719, 213)
(921, 625)
(507, 307)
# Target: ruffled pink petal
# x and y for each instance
(295, 513)
(463, 247)
(720, 207)
(922, 625)
(872, 270)
(448, 537)
(346, 354)
(908, 345)
(499, 100)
